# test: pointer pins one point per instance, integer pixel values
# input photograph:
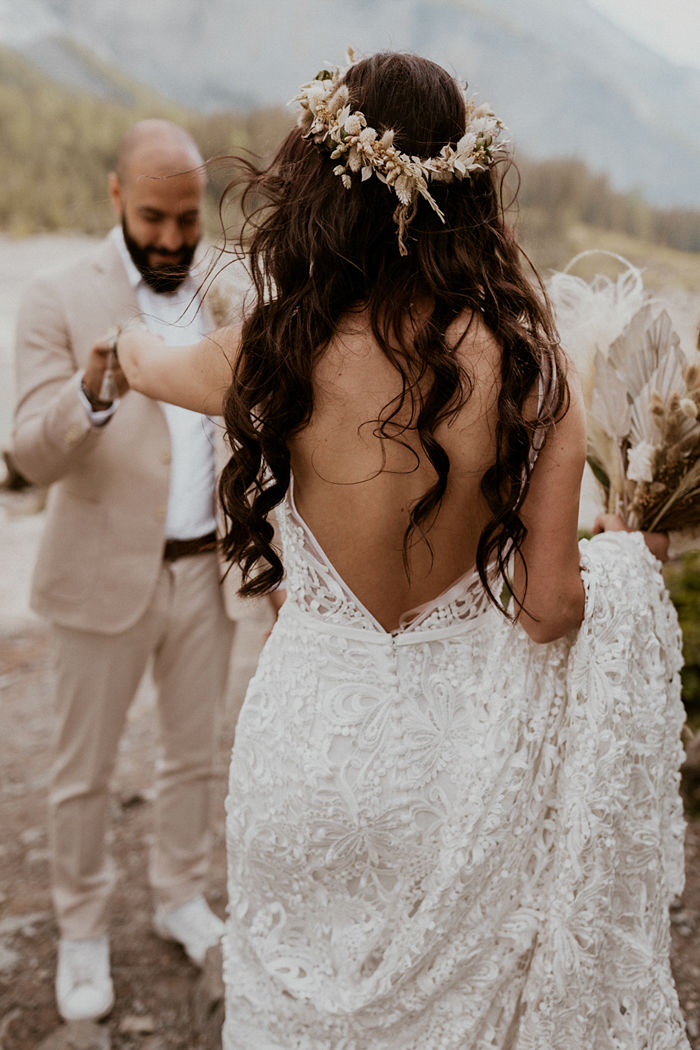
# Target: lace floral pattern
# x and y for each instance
(451, 838)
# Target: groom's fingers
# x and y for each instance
(100, 358)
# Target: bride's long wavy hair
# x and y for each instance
(318, 251)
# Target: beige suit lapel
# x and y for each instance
(117, 299)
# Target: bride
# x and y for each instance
(453, 818)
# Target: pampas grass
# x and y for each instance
(642, 396)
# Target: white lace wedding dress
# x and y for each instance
(449, 837)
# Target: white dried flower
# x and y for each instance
(640, 462)
(354, 159)
(353, 125)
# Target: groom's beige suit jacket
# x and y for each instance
(102, 546)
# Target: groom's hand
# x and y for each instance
(102, 361)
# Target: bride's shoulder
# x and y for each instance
(477, 350)
(472, 337)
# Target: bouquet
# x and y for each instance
(642, 397)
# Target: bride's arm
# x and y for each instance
(195, 376)
(554, 594)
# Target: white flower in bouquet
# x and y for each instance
(640, 462)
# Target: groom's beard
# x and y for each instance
(166, 277)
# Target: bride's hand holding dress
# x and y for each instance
(657, 542)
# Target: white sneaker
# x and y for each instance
(83, 984)
(193, 925)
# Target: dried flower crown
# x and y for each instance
(327, 119)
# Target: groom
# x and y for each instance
(127, 571)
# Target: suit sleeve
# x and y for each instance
(52, 432)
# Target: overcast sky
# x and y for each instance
(671, 27)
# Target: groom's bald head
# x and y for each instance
(157, 191)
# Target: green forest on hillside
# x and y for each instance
(59, 145)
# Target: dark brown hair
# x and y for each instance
(318, 251)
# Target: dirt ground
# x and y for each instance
(156, 987)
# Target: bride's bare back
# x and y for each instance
(354, 488)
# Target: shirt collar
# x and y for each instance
(132, 272)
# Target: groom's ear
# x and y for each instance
(115, 193)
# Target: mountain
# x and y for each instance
(563, 78)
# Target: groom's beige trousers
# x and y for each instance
(187, 634)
